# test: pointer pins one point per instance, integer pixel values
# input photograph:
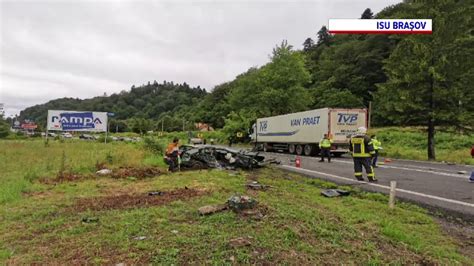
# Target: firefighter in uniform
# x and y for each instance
(362, 151)
(325, 148)
(377, 146)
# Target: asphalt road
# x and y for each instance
(438, 186)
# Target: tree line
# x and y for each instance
(410, 80)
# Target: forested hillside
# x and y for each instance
(422, 80)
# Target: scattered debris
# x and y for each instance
(450, 163)
(90, 220)
(462, 172)
(156, 193)
(239, 203)
(174, 231)
(193, 157)
(330, 193)
(139, 238)
(104, 172)
(257, 186)
(125, 201)
(210, 209)
(240, 242)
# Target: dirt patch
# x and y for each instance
(137, 172)
(258, 213)
(65, 177)
(125, 201)
(462, 232)
(122, 172)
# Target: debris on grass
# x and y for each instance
(239, 203)
(139, 238)
(126, 201)
(156, 193)
(210, 209)
(330, 193)
(104, 172)
(255, 185)
(240, 242)
(88, 220)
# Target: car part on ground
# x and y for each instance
(201, 157)
(330, 193)
(239, 203)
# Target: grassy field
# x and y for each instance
(411, 143)
(102, 220)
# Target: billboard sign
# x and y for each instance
(29, 125)
(77, 121)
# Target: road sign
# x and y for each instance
(240, 134)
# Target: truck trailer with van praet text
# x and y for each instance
(301, 132)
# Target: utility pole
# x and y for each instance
(183, 124)
(370, 114)
(162, 124)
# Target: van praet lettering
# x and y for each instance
(401, 25)
(305, 121)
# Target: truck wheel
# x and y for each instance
(299, 149)
(292, 148)
(308, 150)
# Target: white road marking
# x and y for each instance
(412, 169)
(381, 186)
(463, 176)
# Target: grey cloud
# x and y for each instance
(51, 49)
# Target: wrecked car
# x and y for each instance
(200, 157)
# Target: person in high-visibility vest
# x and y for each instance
(362, 151)
(325, 148)
(377, 146)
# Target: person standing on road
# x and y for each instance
(377, 146)
(472, 151)
(362, 152)
(325, 148)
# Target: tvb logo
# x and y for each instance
(263, 126)
(347, 118)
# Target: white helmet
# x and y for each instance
(362, 130)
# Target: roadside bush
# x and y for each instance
(153, 145)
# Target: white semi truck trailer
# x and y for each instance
(301, 132)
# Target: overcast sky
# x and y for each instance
(54, 49)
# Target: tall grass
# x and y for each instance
(411, 143)
(23, 161)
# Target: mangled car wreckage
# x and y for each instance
(201, 157)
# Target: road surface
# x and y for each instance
(438, 186)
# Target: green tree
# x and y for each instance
(367, 14)
(308, 44)
(430, 76)
(324, 38)
(4, 127)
